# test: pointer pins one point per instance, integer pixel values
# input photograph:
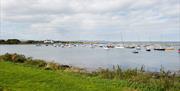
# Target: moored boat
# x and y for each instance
(135, 52)
(106, 48)
(148, 49)
(110, 46)
(38, 45)
(119, 47)
(138, 48)
(130, 47)
(160, 49)
(169, 48)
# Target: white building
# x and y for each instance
(49, 41)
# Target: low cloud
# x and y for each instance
(90, 19)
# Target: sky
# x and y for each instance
(110, 20)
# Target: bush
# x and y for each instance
(18, 58)
(36, 62)
(52, 66)
(163, 81)
(6, 57)
(13, 58)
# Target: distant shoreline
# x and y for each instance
(28, 42)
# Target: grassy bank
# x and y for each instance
(17, 77)
(19, 73)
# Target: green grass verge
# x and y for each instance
(20, 73)
(17, 77)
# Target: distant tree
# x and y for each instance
(33, 42)
(13, 41)
(30, 41)
(2, 41)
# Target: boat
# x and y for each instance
(119, 46)
(38, 45)
(160, 49)
(169, 48)
(101, 46)
(106, 48)
(110, 46)
(148, 49)
(138, 48)
(135, 52)
(54, 45)
(130, 47)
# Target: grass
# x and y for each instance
(18, 73)
(17, 77)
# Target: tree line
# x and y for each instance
(17, 41)
(10, 41)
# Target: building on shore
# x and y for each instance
(48, 41)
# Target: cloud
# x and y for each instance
(90, 19)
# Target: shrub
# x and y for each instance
(63, 67)
(52, 66)
(6, 57)
(36, 62)
(18, 58)
(13, 57)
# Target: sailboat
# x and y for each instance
(120, 46)
(138, 48)
(38, 45)
(105, 47)
(148, 49)
(159, 49)
(169, 48)
(135, 51)
(149, 46)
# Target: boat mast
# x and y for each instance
(122, 39)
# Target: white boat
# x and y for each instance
(148, 49)
(169, 48)
(135, 51)
(119, 46)
(138, 48)
(160, 48)
(55, 45)
(38, 45)
(106, 48)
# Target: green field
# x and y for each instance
(19, 73)
(17, 77)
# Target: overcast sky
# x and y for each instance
(135, 20)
